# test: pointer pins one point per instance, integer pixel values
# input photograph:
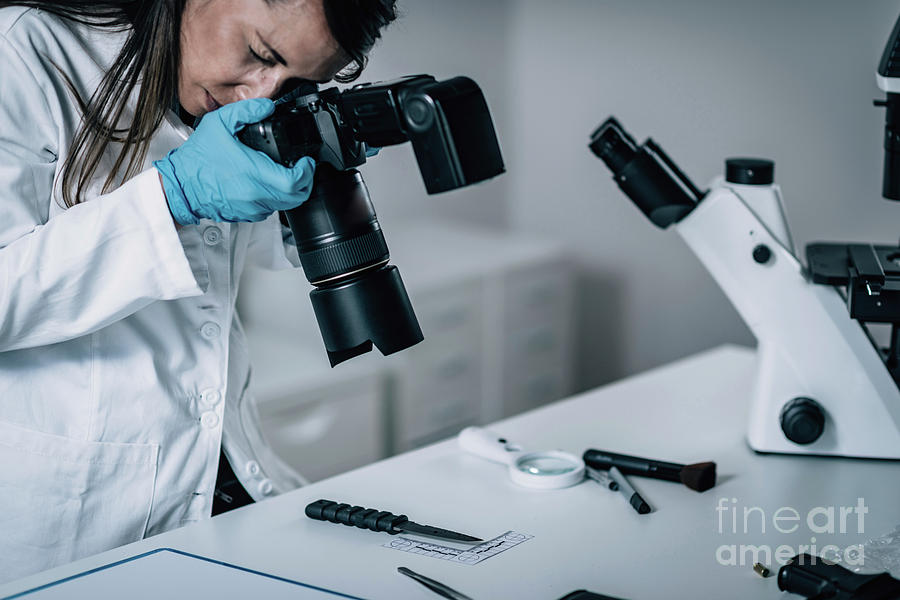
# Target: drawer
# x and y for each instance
(528, 348)
(326, 432)
(533, 390)
(452, 312)
(439, 390)
(534, 294)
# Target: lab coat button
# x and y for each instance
(265, 487)
(252, 467)
(209, 419)
(210, 330)
(212, 235)
(210, 397)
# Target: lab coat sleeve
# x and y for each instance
(87, 266)
(272, 245)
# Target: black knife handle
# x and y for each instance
(364, 518)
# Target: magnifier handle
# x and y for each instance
(488, 444)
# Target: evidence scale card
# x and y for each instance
(468, 556)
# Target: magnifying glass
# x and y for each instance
(549, 469)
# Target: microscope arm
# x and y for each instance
(815, 363)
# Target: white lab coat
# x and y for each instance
(123, 365)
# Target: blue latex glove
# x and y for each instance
(215, 176)
(371, 150)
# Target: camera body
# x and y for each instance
(447, 122)
(359, 299)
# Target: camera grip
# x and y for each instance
(813, 577)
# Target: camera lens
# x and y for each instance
(336, 230)
(419, 113)
(359, 299)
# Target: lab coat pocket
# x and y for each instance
(62, 499)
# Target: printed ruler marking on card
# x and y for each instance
(469, 556)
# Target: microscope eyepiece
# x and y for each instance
(612, 144)
(646, 174)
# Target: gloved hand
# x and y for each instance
(371, 150)
(214, 176)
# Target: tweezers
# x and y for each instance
(435, 586)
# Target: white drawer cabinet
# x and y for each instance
(321, 422)
(438, 382)
(325, 431)
(496, 313)
(537, 308)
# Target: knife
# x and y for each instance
(378, 520)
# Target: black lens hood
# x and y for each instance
(371, 309)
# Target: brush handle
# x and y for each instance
(633, 465)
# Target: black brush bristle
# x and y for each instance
(699, 476)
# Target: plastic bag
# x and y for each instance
(878, 555)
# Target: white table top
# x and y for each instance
(584, 536)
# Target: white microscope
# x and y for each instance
(823, 385)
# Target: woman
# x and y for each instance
(123, 233)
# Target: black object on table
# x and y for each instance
(814, 578)
(378, 520)
(229, 493)
(435, 586)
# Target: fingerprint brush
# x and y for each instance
(697, 476)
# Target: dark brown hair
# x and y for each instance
(150, 58)
(356, 25)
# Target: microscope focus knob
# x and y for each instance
(802, 420)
